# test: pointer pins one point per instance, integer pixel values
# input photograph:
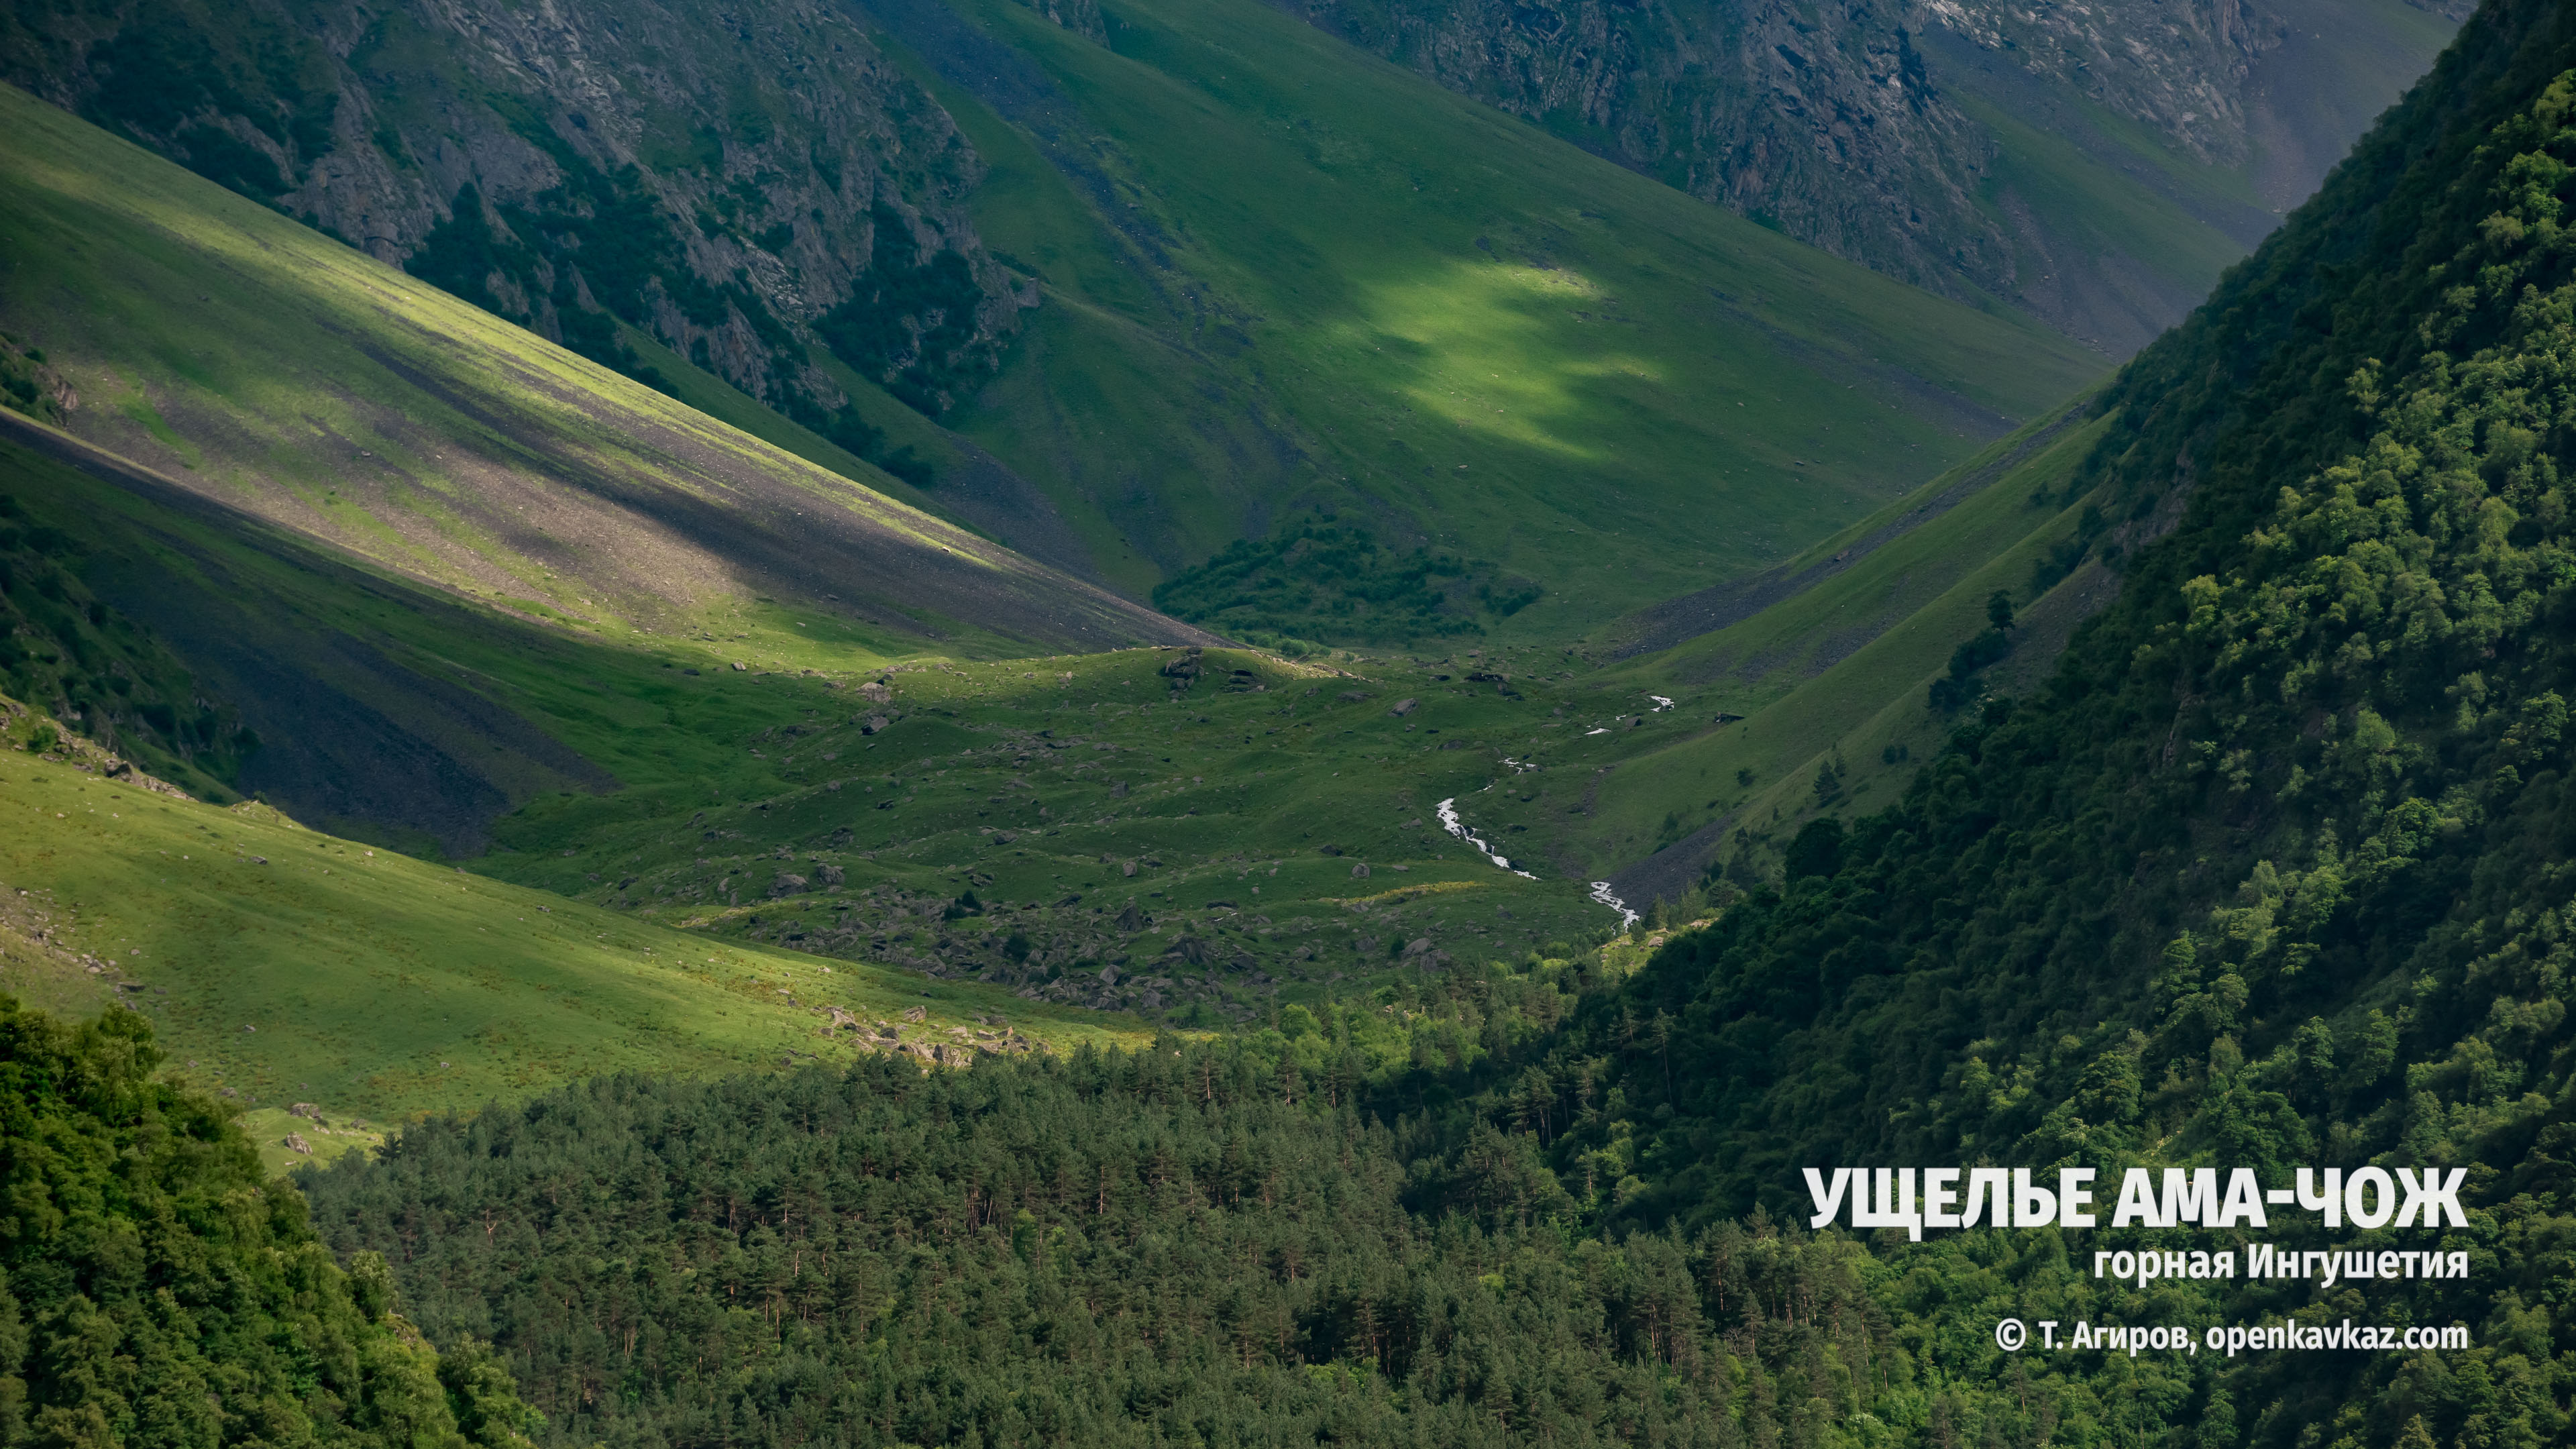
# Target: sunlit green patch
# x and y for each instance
(282, 965)
(1494, 348)
(1402, 304)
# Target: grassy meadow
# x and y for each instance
(652, 773)
(1196, 838)
(1182, 840)
(1836, 673)
(1319, 281)
(282, 965)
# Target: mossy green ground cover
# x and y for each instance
(688, 787)
(1569, 374)
(1318, 279)
(281, 965)
(698, 388)
(1735, 723)
(740, 801)
(1246, 794)
(671, 730)
(119, 247)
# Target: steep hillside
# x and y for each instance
(1811, 688)
(2269, 872)
(743, 188)
(280, 965)
(122, 687)
(442, 720)
(2315, 735)
(1243, 310)
(1199, 853)
(2269, 868)
(353, 696)
(1287, 281)
(2095, 166)
(271, 371)
(808, 788)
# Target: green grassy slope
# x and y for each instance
(1867, 718)
(420, 717)
(1854, 666)
(288, 376)
(2323, 82)
(2118, 235)
(1827, 659)
(1280, 273)
(649, 773)
(434, 724)
(1202, 854)
(963, 484)
(2271, 870)
(381, 705)
(2199, 901)
(1874, 571)
(2095, 169)
(698, 388)
(282, 965)
(1283, 841)
(1290, 829)
(1268, 834)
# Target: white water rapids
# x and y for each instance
(1449, 821)
(1601, 892)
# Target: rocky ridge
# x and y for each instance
(745, 187)
(1854, 127)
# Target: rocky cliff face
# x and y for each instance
(740, 182)
(2179, 68)
(1871, 129)
(1829, 131)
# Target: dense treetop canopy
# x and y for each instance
(153, 1291)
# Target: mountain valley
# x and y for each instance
(1188, 722)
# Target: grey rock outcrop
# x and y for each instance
(1873, 132)
(739, 183)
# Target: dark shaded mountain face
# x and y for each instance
(742, 187)
(2092, 165)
